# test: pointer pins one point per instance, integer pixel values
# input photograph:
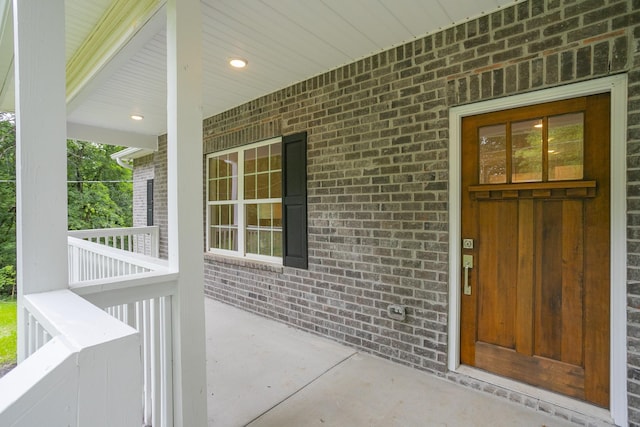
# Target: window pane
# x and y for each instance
(213, 167)
(213, 190)
(214, 215)
(250, 161)
(263, 158)
(252, 215)
(276, 184)
(276, 156)
(526, 146)
(224, 238)
(277, 243)
(223, 193)
(264, 242)
(566, 147)
(250, 187)
(493, 154)
(277, 215)
(263, 185)
(225, 218)
(252, 241)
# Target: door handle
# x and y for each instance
(467, 263)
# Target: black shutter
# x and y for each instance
(149, 202)
(294, 200)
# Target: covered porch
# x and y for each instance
(111, 334)
(261, 373)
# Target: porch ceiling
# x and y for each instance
(116, 50)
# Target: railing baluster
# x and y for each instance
(146, 333)
(155, 360)
(31, 346)
(39, 336)
(166, 361)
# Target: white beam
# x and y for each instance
(41, 150)
(111, 136)
(185, 227)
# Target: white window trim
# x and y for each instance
(240, 203)
(617, 86)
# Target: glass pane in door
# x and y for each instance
(566, 147)
(492, 141)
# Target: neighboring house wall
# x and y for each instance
(378, 138)
(161, 209)
(153, 166)
(143, 170)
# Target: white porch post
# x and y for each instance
(185, 226)
(41, 162)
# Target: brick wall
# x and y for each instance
(160, 195)
(143, 170)
(378, 175)
(153, 166)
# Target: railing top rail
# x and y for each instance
(126, 289)
(134, 258)
(51, 310)
(107, 232)
(90, 352)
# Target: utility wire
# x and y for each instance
(68, 182)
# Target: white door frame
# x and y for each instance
(617, 86)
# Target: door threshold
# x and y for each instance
(550, 397)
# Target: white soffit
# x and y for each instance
(284, 41)
(81, 17)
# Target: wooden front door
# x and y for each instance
(535, 219)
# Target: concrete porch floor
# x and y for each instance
(261, 373)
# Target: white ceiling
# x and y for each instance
(284, 41)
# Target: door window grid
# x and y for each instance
(544, 149)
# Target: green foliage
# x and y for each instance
(100, 191)
(7, 190)
(8, 334)
(7, 281)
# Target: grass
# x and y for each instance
(8, 333)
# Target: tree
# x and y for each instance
(100, 191)
(7, 190)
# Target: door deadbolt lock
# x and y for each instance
(467, 264)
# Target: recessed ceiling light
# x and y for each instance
(238, 63)
(136, 117)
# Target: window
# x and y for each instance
(245, 201)
(540, 149)
(256, 201)
(149, 202)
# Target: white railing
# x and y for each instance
(144, 303)
(92, 261)
(133, 291)
(36, 333)
(142, 240)
(137, 290)
(85, 372)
